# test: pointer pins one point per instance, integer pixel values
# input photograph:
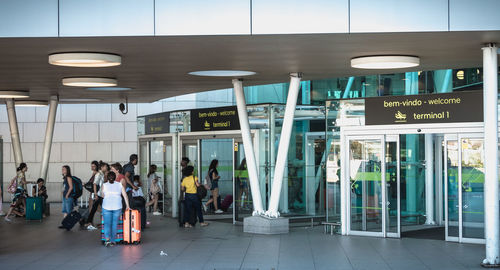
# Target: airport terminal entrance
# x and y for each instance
(389, 188)
(234, 191)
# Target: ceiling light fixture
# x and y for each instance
(31, 103)
(222, 73)
(385, 62)
(109, 88)
(89, 82)
(14, 94)
(85, 59)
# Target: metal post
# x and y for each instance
(490, 110)
(175, 179)
(49, 132)
(248, 147)
(14, 131)
(286, 131)
(348, 87)
(429, 179)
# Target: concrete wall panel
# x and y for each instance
(86, 132)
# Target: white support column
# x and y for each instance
(429, 179)
(175, 179)
(49, 132)
(490, 110)
(248, 147)
(286, 132)
(14, 131)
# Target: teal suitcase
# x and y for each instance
(34, 208)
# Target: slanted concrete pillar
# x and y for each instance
(14, 131)
(49, 133)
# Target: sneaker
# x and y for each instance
(91, 228)
(203, 224)
(2, 214)
(107, 243)
(156, 213)
(218, 211)
(204, 208)
(7, 219)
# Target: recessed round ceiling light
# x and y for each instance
(31, 103)
(14, 94)
(89, 82)
(222, 73)
(85, 59)
(385, 62)
(109, 88)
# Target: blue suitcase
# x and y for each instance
(34, 208)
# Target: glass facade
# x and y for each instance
(312, 176)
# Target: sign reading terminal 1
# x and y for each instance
(222, 118)
(454, 107)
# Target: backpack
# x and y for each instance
(208, 182)
(77, 187)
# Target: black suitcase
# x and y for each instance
(70, 220)
(182, 210)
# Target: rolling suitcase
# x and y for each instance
(132, 227)
(119, 230)
(226, 203)
(71, 219)
(34, 210)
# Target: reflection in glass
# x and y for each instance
(452, 170)
(365, 180)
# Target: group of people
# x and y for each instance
(18, 188)
(115, 189)
(192, 199)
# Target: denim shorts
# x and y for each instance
(67, 205)
(215, 184)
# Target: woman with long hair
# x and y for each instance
(19, 198)
(97, 185)
(214, 176)
(68, 200)
(112, 193)
(154, 189)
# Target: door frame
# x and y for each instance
(196, 137)
(380, 130)
(168, 139)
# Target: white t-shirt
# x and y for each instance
(112, 196)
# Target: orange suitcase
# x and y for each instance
(132, 227)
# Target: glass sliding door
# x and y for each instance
(392, 173)
(472, 187)
(464, 186)
(243, 204)
(365, 167)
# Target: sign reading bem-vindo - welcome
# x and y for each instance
(157, 123)
(222, 118)
(421, 109)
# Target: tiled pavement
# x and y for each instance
(35, 245)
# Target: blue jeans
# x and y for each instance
(111, 218)
(67, 205)
(192, 201)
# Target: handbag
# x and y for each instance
(13, 186)
(201, 191)
(90, 185)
